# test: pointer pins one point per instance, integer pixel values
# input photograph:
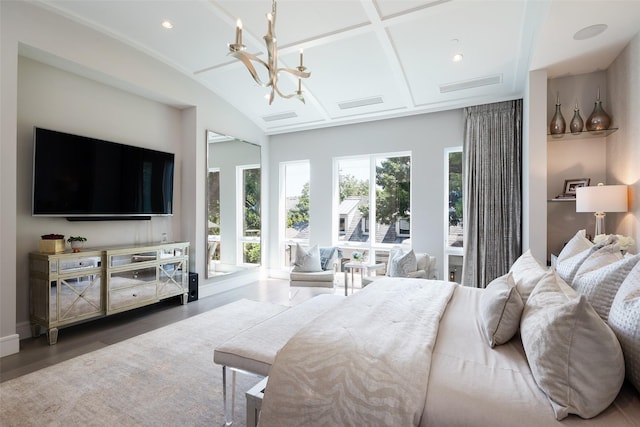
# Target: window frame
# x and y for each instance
(242, 239)
(448, 251)
(370, 245)
(283, 242)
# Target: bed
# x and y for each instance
(427, 353)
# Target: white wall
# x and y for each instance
(623, 146)
(570, 157)
(614, 159)
(534, 166)
(55, 99)
(125, 76)
(425, 136)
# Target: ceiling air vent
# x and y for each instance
(360, 102)
(280, 116)
(470, 84)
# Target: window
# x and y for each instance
(213, 228)
(250, 210)
(374, 201)
(294, 217)
(454, 221)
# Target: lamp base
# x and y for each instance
(599, 223)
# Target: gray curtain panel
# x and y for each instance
(492, 190)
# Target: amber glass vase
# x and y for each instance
(557, 125)
(599, 120)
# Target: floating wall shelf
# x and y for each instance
(581, 135)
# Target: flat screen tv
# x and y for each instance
(86, 178)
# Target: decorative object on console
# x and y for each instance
(577, 124)
(600, 199)
(76, 242)
(599, 120)
(238, 51)
(357, 256)
(557, 125)
(51, 244)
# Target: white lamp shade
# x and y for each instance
(602, 198)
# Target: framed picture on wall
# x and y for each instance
(570, 185)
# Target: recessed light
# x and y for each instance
(167, 24)
(590, 31)
(457, 57)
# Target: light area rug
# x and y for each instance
(165, 377)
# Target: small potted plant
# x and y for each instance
(76, 242)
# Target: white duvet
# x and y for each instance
(365, 362)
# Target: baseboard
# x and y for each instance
(222, 284)
(9, 345)
(24, 329)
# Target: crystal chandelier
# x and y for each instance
(238, 51)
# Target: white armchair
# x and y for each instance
(316, 267)
(425, 267)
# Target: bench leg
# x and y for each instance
(229, 411)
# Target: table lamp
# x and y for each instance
(601, 199)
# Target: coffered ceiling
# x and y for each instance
(369, 59)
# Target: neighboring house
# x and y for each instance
(354, 227)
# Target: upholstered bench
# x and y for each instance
(254, 350)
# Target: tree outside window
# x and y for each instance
(213, 219)
(251, 220)
(455, 199)
(295, 221)
(387, 199)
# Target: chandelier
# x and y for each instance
(238, 51)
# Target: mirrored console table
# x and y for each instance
(69, 288)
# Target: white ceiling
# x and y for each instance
(395, 52)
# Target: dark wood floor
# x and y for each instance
(36, 353)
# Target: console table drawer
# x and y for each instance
(131, 296)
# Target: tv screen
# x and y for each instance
(76, 176)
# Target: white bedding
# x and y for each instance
(382, 367)
(365, 362)
(472, 384)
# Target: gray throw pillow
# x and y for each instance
(527, 271)
(575, 358)
(500, 310)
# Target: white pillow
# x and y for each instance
(577, 244)
(527, 272)
(392, 254)
(500, 310)
(403, 264)
(600, 257)
(575, 358)
(624, 319)
(307, 261)
(572, 260)
(600, 285)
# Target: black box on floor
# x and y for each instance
(193, 287)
